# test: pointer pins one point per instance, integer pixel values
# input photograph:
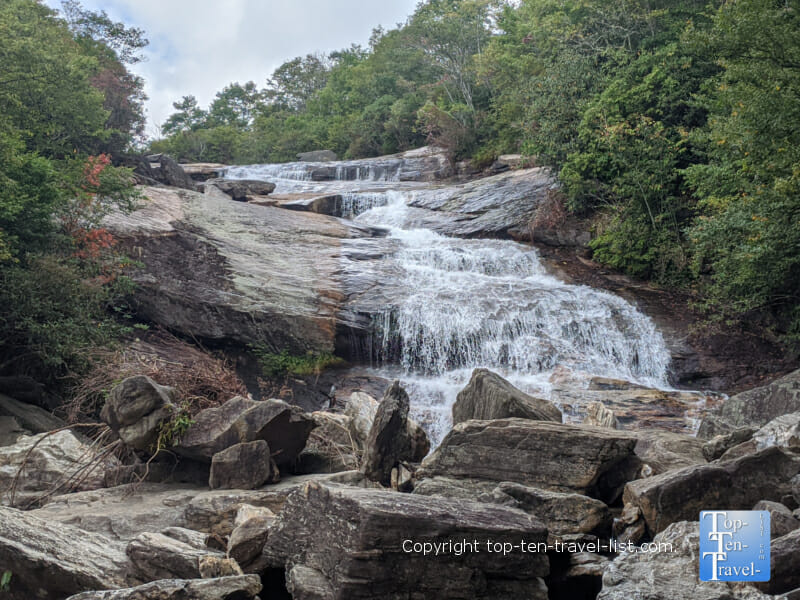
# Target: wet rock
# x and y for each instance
(244, 466)
(317, 156)
(664, 451)
(331, 447)
(50, 561)
(489, 207)
(393, 437)
(241, 189)
(488, 396)
(668, 575)
(784, 564)
(50, 463)
(738, 484)
(240, 420)
(720, 444)
(599, 416)
(592, 461)
(353, 540)
(251, 529)
(754, 408)
(781, 520)
(562, 514)
(136, 409)
(242, 587)
(157, 556)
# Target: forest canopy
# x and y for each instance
(672, 125)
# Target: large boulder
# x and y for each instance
(720, 444)
(172, 174)
(358, 543)
(754, 408)
(562, 514)
(243, 466)
(664, 451)
(592, 461)
(241, 587)
(784, 561)
(393, 437)
(488, 396)
(50, 463)
(737, 484)
(136, 409)
(50, 561)
(158, 556)
(240, 420)
(331, 447)
(670, 574)
(247, 540)
(781, 520)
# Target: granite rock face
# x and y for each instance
(592, 461)
(754, 408)
(488, 396)
(344, 543)
(241, 273)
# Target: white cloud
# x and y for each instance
(199, 46)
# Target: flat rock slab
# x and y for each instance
(737, 485)
(50, 561)
(352, 539)
(240, 587)
(592, 461)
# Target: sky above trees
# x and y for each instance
(198, 46)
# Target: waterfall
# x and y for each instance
(459, 304)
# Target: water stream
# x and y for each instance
(470, 303)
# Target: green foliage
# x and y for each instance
(65, 96)
(51, 312)
(171, 431)
(285, 364)
(5, 581)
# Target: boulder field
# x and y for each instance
(514, 504)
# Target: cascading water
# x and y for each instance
(467, 303)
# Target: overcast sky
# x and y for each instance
(199, 46)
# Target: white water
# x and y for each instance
(482, 303)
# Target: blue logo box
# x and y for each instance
(734, 545)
